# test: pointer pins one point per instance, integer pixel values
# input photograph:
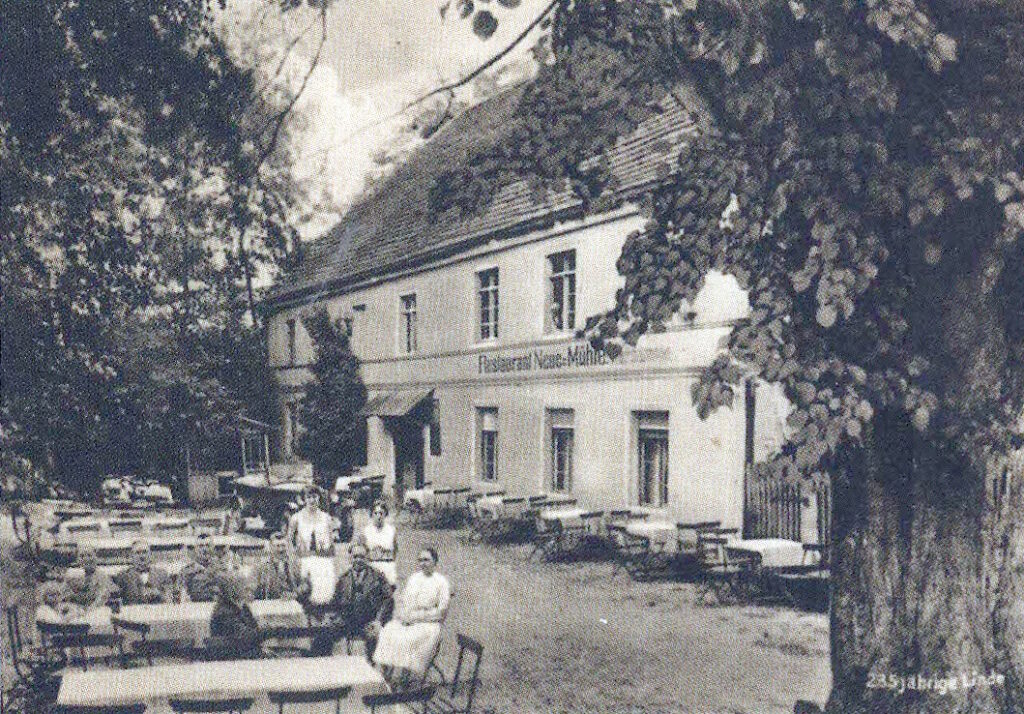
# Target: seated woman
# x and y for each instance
(408, 643)
(232, 625)
(381, 543)
(312, 546)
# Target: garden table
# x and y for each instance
(772, 552)
(191, 620)
(232, 678)
(565, 515)
(661, 532)
(424, 497)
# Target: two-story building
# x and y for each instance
(466, 333)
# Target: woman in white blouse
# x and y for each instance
(410, 640)
(311, 543)
(379, 537)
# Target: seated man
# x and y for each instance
(275, 577)
(199, 577)
(143, 583)
(54, 607)
(232, 624)
(95, 587)
(361, 604)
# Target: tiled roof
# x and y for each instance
(392, 229)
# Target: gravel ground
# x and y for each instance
(567, 637)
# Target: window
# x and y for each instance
(652, 458)
(408, 323)
(487, 427)
(291, 341)
(562, 297)
(560, 426)
(488, 301)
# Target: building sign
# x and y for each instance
(574, 355)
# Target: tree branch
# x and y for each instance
(282, 115)
(486, 65)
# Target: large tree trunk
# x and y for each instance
(911, 620)
(928, 562)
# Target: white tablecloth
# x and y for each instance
(564, 515)
(220, 679)
(775, 552)
(191, 620)
(424, 497)
(660, 531)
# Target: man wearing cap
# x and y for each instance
(361, 604)
(143, 583)
(275, 576)
(199, 577)
(95, 587)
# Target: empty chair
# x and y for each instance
(457, 696)
(211, 706)
(280, 697)
(58, 638)
(29, 661)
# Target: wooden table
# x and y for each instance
(234, 678)
(661, 532)
(772, 552)
(167, 541)
(191, 620)
(565, 515)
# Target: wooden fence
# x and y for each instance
(774, 509)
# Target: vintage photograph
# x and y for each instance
(512, 356)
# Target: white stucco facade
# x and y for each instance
(559, 410)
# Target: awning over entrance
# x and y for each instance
(395, 404)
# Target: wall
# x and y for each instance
(706, 457)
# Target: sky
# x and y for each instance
(378, 56)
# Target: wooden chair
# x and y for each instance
(547, 538)
(280, 697)
(29, 661)
(61, 638)
(101, 709)
(731, 577)
(144, 647)
(418, 695)
(211, 706)
(457, 696)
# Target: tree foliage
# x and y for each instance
(867, 160)
(139, 199)
(863, 183)
(333, 436)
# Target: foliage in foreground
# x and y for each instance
(140, 195)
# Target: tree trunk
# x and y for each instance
(928, 571)
(911, 623)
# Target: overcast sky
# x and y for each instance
(379, 55)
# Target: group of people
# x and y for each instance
(400, 636)
(401, 630)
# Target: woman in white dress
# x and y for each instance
(409, 642)
(381, 545)
(311, 544)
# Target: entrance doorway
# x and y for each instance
(408, 438)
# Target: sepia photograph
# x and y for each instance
(512, 356)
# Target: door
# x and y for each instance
(408, 436)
